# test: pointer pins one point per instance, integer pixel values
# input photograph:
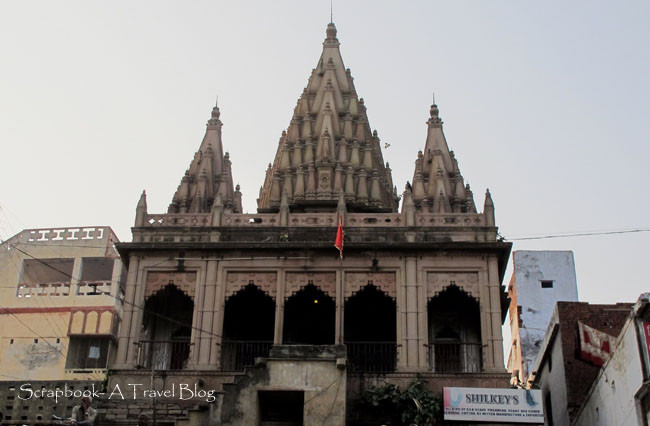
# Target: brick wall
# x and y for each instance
(581, 374)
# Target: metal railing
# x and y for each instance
(371, 357)
(455, 357)
(163, 354)
(236, 355)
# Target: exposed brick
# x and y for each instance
(580, 374)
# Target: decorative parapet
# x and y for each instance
(450, 219)
(265, 219)
(178, 219)
(376, 219)
(362, 220)
(43, 289)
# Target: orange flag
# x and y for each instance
(339, 237)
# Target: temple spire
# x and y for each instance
(437, 181)
(329, 148)
(209, 174)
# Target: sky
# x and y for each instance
(546, 103)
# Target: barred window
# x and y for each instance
(88, 352)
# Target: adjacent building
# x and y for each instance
(260, 316)
(619, 395)
(540, 279)
(577, 341)
(61, 291)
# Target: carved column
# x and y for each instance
(217, 318)
(411, 313)
(401, 318)
(196, 334)
(486, 327)
(127, 315)
(207, 334)
(136, 317)
(279, 308)
(339, 338)
(423, 328)
(496, 340)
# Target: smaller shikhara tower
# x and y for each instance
(262, 308)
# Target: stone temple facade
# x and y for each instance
(258, 315)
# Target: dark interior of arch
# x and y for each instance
(454, 315)
(249, 315)
(168, 324)
(169, 312)
(309, 317)
(370, 316)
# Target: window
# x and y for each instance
(87, 352)
(547, 283)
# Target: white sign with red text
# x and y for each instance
(493, 405)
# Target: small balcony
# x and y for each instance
(236, 355)
(455, 357)
(371, 357)
(163, 354)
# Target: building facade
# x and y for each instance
(261, 309)
(619, 395)
(539, 280)
(560, 371)
(61, 305)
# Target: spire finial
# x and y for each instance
(331, 13)
(433, 97)
(331, 32)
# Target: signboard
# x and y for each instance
(493, 405)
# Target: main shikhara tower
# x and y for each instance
(261, 308)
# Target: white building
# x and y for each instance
(540, 280)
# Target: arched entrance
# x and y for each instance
(309, 317)
(167, 330)
(454, 332)
(249, 319)
(370, 331)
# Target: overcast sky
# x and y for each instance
(546, 103)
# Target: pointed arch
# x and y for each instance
(309, 317)
(454, 332)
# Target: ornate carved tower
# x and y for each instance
(251, 303)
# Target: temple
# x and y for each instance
(261, 310)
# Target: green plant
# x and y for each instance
(414, 405)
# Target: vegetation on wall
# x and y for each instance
(414, 405)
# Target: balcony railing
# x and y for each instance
(236, 355)
(448, 357)
(163, 354)
(371, 357)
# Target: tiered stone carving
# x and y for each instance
(208, 181)
(325, 281)
(185, 281)
(329, 147)
(439, 281)
(265, 281)
(438, 186)
(385, 281)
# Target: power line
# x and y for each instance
(143, 309)
(579, 234)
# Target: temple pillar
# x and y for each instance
(279, 308)
(121, 360)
